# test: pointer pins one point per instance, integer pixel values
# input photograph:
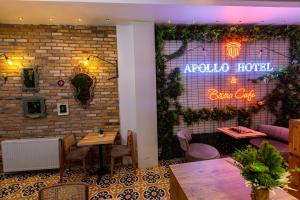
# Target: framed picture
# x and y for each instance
(34, 107)
(63, 109)
(30, 79)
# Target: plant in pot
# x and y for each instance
(264, 169)
(101, 132)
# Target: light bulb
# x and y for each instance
(86, 62)
(9, 62)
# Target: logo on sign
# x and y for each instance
(233, 49)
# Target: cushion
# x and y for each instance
(78, 154)
(120, 151)
(275, 132)
(280, 146)
(199, 151)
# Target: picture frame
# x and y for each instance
(30, 79)
(63, 109)
(34, 107)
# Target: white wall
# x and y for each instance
(137, 88)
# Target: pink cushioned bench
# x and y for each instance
(277, 136)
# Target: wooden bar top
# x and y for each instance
(95, 139)
(213, 180)
(244, 132)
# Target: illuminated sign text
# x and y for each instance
(225, 67)
(242, 94)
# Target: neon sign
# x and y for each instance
(233, 49)
(240, 94)
(225, 67)
(233, 80)
(203, 68)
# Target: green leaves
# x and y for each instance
(221, 114)
(263, 168)
(283, 100)
(258, 167)
(82, 83)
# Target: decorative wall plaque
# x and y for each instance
(83, 84)
(30, 79)
(34, 107)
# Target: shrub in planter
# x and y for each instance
(264, 169)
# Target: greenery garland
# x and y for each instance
(169, 86)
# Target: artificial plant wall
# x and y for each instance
(283, 101)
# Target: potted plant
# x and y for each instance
(101, 132)
(264, 169)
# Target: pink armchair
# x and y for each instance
(195, 151)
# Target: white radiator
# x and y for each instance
(30, 154)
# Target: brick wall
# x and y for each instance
(57, 50)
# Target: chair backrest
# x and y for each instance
(275, 132)
(130, 143)
(184, 136)
(68, 141)
(65, 191)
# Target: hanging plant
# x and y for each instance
(83, 85)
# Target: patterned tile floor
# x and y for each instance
(151, 183)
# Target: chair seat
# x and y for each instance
(199, 151)
(64, 192)
(78, 154)
(120, 150)
(281, 147)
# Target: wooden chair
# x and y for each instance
(72, 153)
(120, 151)
(65, 191)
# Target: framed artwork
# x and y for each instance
(63, 109)
(30, 79)
(34, 107)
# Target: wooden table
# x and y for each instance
(94, 139)
(245, 132)
(213, 180)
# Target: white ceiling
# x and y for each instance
(95, 12)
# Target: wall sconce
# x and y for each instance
(89, 58)
(9, 62)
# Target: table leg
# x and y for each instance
(102, 168)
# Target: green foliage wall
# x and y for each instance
(283, 101)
